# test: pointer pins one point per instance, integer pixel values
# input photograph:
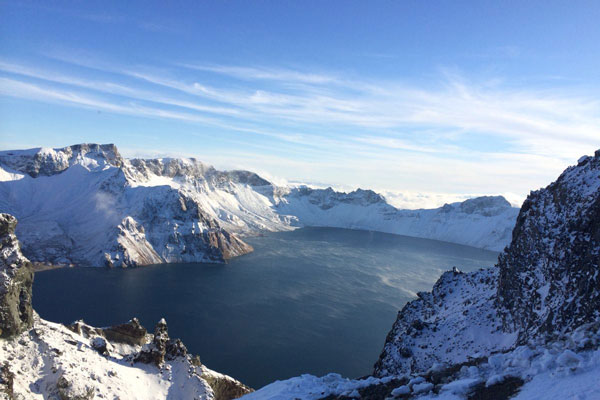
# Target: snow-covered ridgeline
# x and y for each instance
(87, 205)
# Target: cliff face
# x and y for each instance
(16, 279)
(550, 275)
(86, 205)
(546, 284)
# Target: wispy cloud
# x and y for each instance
(456, 129)
(268, 74)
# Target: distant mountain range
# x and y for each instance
(86, 205)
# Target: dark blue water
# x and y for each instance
(315, 300)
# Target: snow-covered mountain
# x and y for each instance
(87, 205)
(527, 328)
(44, 360)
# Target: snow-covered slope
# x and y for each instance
(52, 361)
(526, 328)
(484, 222)
(86, 205)
(80, 205)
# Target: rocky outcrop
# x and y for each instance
(550, 275)
(162, 347)
(225, 387)
(132, 333)
(546, 284)
(16, 279)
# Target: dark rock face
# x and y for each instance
(6, 381)
(550, 274)
(132, 333)
(226, 388)
(16, 280)
(162, 347)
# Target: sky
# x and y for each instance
(423, 101)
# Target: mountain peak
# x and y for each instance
(43, 161)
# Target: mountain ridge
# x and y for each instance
(182, 210)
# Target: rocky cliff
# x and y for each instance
(16, 279)
(84, 205)
(549, 277)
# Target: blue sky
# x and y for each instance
(433, 99)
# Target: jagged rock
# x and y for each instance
(162, 347)
(225, 387)
(100, 345)
(16, 279)
(132, 333)
(84, 329)
(550, 275)
(6, 382)
(47, 162)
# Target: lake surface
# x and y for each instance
(315, 300)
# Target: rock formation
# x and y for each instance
(16, 279)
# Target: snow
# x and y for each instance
(549, 371)
(86, 205)
(49, 352)
(310, 387)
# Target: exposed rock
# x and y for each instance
(100, 345)
(550, 275)
(225, 387)
(47, 162)
(132, 333)
(16, 279)
(162, 347)
(6, 382)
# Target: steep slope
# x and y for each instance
(77, 205)
(550, 275)
(86, 205)
(41, 359)
(16, 279)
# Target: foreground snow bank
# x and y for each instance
(53, 361)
